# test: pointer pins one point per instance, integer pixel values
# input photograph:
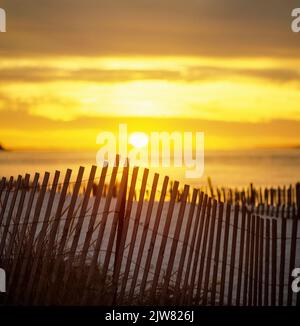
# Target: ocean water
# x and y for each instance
(276, 167)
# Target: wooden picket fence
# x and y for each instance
(270, 201)
(104, 246)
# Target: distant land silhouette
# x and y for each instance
(2, 148)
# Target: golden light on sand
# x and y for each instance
(138, 139)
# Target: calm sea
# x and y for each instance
(226, 168)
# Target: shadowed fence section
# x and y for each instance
(266, 200)
(104, 245)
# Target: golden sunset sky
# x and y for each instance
(70, 69)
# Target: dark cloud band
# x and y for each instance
(150, 27)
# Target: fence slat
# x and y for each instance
(16, 223)
(119, 213)
(2, 187)
(22, 234)
(217, 254)
(247, 259)
(225, 252)
(185, 244)
(241, 256)
(282, 261)
(191, 251)
(164, 238)
(197, 251)
(135, 231)
(209, 252)
(153, 237)
(42, 277)
(203, 251)
(76, 237)
(292, 257)
(124, 230)
(233, 251)
(91, 227)
(143, 240)
(261, 262)
(267, 262)
(54, 275)
(174, 245)
(93, 265)
(9, 215)
(256, 260)
(252, 257)
(274, 262)
(28, 246)
(5, 201)
(41, 238)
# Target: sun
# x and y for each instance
(138, 139)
